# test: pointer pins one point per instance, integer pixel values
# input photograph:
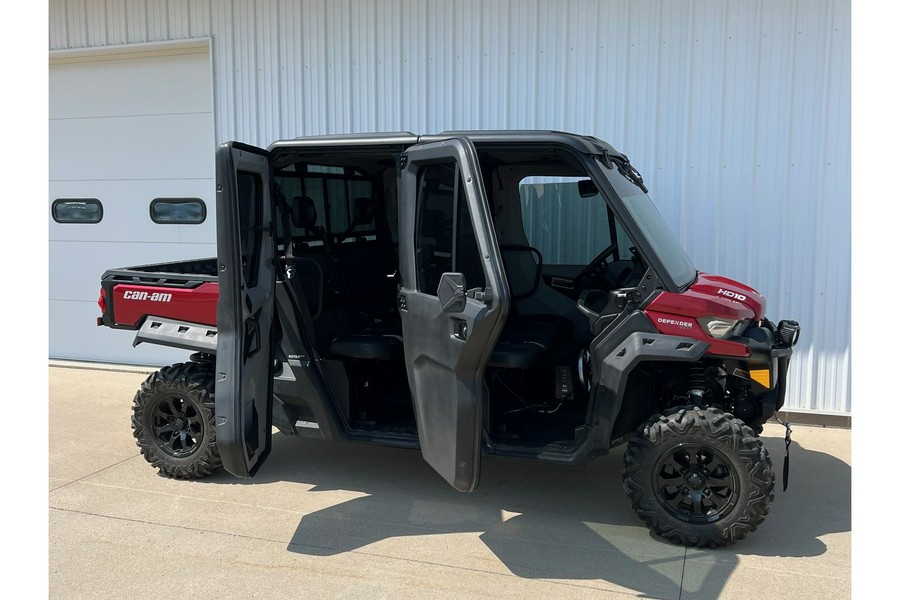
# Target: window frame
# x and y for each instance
(58, 201)
(178, 200)
(459, 203)
(328, 211)
(255, 235)
(611, 224)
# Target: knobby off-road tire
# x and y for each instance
(173, 421)
(698, 477)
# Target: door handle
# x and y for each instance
(253, 299)
(460, 329)
(251, 339)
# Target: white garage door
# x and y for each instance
(127, 126)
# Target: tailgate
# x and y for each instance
(185, 291)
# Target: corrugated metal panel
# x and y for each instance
(736, 112)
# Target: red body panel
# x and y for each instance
(709, 296)
(131, 303)
(671, 313)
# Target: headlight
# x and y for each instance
(718, 327)
(788, 332)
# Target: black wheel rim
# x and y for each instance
(696, 483)
(177, 426)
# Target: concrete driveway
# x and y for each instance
(353, 521)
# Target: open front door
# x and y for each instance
(453, 302)
(246, 251)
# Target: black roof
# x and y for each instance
(581, 143)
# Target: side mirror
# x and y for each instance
(451, 292)
(586, 188)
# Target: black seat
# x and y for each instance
(304, 215)
(363, 214)
(529, 340)
(370, 295)
(381, 341)
(526, 340)
(343, 312)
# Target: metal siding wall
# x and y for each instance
(736, 113)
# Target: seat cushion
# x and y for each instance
(517, 354)
(526, 341)
(380, 341)
(555, 326)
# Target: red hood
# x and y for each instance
(709, 296)
(713, 296)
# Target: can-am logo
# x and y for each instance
(154, 297)
(682, 324)
(732, 295)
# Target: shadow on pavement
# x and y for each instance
(545, 521)
(817, 502)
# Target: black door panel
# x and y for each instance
(246, 307)
(445, 227)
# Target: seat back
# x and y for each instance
(303, 212)
(309, 278)
(523, 265)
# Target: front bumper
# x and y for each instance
(781, 360)
(771, 348)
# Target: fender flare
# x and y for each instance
(614, 354)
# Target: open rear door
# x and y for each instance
(453, 302)
(246, 251)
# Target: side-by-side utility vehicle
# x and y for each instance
(500, 293)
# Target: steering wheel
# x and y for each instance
(596, 267)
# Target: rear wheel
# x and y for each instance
(173, 421)
(698, 477)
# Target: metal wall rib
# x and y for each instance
(737, 112)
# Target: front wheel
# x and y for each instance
(173, 421)
(698, 477)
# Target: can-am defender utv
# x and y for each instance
(508, 293)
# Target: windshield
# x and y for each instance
(665, 245)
